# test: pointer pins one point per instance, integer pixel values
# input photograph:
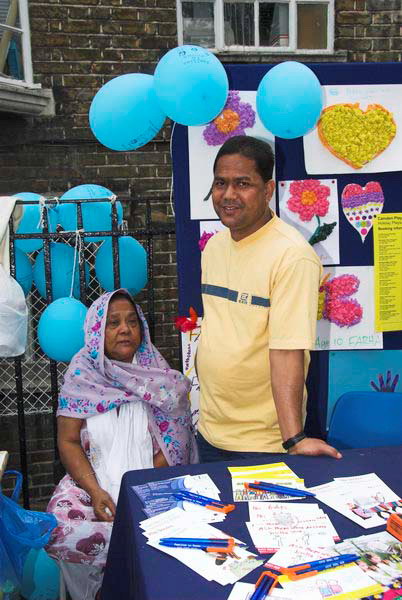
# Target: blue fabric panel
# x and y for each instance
(289, 165)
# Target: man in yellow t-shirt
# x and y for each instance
(260, 281)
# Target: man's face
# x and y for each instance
(240, 195)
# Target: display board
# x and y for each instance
(352, 190)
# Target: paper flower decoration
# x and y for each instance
(309, 198)
(335, 304)
(355, 136)
(204, 239)
(361, 204)
(185, 324)
(233, 120)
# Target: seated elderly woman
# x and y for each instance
(120, 408)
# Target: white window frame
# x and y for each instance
(25, 33)
(290, 49)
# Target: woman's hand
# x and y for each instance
(160, 460)
(103, 505)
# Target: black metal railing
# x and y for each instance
(146, 233)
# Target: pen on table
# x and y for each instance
(321, 561)
(198, 496)
(208, 541)
(210, 503)
(308, 569)
(266, 582)
(280, 489)
(209, 545)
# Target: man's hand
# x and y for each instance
(314, 447)
(103, 505)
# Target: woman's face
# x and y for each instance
(123, 330)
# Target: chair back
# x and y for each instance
(366, 419)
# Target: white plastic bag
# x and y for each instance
(13, 316)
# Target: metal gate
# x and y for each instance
(29, 383)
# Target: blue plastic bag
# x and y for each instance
(20, 530)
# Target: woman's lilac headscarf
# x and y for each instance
(94, 384)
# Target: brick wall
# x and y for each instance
(369, 30)
(77, 46)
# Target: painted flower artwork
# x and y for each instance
(235, 117)
(309, 198)
(335, 303)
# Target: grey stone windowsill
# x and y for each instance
(25, 99)
(247, 57)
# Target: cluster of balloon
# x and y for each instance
(289, 100)
(189, 85)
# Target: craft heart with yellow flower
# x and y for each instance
(356, 136)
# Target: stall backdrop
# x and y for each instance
(349, 353)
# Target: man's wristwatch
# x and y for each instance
(292, 441)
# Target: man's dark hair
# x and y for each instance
(253, 148)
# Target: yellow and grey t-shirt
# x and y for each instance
(258, 293)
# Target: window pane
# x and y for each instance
(274, 24)
(198, 24)
(312, 26)
(10, 42)
(239, 24)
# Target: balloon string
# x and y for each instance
(171, 177)
(42, 204)
(77, 251)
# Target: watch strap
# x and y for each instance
(292, 441)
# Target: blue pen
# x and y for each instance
(197, 496)
(199, 545)
(210, 503)
(308, 569)
(281, 489)
(204, 540)
(322, 561)
(265, 583)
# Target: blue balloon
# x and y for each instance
(23, 271)
(96, 216)
(61, 328)
(125, 113)
(30, 220)
(132, 265)
(289, 100)
(41, 577)
(191, 85)
(61, 267)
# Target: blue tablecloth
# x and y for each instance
(135, 571)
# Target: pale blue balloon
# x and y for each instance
(30, 222)
(289, 100)
(41, 576)
(132, 265)
(125, 113)
(61, 267)
(191, 85)
(23, 271)
(96, 216)
(61, 328)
